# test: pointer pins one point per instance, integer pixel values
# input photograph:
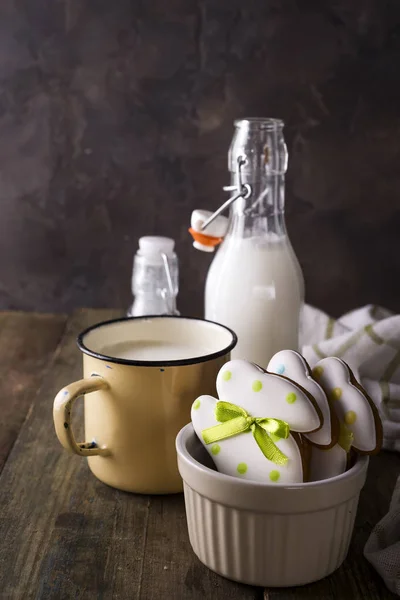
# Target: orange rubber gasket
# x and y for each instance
(206, 240)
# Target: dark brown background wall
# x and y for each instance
(116, 117)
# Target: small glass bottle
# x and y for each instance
(154, 278)
(254, 284)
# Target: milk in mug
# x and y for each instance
(154, 350)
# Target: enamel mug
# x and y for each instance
(141, 376)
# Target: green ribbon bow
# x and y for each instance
(346, 438)
(234, 419)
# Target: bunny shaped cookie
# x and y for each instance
(248, 432)
(291, 364)
(360, 424)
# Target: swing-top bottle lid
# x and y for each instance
(152, 249)
(154, 244)
(207, 239)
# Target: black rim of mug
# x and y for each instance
(155, 363)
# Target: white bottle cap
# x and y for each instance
(216, 229)
(154, 244)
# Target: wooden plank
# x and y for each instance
(170, 568)
(66, 535)
(27, 343)
(51, 509)
(356, 579)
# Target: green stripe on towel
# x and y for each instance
(318, 351)
(329, 328)
(385, 391)
(392, 367)
(369, 330)
(349, 343)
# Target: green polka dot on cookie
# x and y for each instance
(317, 372)
(196, 404)
(226, 375)
(242, 468)
(350, 417)
(274, 476)
(290, 398)
(336, 393)
(216, 449)
(257, 385)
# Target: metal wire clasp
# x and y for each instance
(243, 190)
(168, 295)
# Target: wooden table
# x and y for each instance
(63, 534)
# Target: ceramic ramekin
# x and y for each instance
(262, 534)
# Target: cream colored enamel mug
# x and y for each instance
(141, 376)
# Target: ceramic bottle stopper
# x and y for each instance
(207, 239)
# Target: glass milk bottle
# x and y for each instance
(255, 285)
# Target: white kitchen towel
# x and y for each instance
(368, 339)
(383, 546)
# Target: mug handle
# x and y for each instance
(62, 409)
